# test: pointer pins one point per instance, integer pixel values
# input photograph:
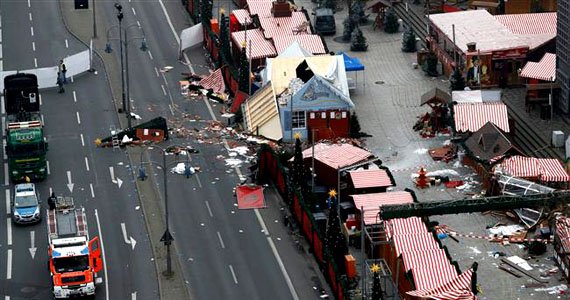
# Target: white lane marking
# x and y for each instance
(86, 163)
(133, 294)
(92, 191)
(69, 183)
(50, 190)
(9, 265)
(169, 22)
(66, 44)
(283, 270)
(6, 297)
(4, 149)
(138, 23)
(233, 274)
(1, 65)
(103, 253)
(134, 12)
(30, 16)
(35, 62)
(149, 54)
(2, 103)
(33, 244)
(209, 210)
(29, 5)
(163, 89)
(40, 97)
(155, 70)
(74, 96)
(0, 35)
(42, 117)
(8, 210)
(3, 124)
(129, 240)
(47, 167)
(32, 29)
(6, 179)
(198, 179)
(9, 231)
(221, 241)
(1, 53)
(71, 79)
(82, 140)
(78, 119)
(33, 46)
(112, 172)
(171, 109)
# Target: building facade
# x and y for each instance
(562, 58)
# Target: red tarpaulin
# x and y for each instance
(250, 196)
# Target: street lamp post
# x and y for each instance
(94, 21)
(125, 65)
(166, 238)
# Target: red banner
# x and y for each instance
(250, 196)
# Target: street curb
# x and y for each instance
(172, 288)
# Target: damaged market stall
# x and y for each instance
(154, 130)
(438, 119)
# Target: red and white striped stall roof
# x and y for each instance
(430, 277)
(310, 42)
(370, 178)
(536, 23)
(458, 288)
(372, 202)
(282, 26)
(214, 81)
(415, 241)
(337, 156)
(242, 15)
(424, 258)
(546, 169)
(545, 69)
(261, 8)
(405, 226)
(260, 47)
(563, 233)
(470, 117)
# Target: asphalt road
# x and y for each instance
(73, 121)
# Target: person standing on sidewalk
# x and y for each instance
(63, 71)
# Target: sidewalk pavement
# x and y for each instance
(79, 24)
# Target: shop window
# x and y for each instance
(332, 115)
(344, 114)
(312, 115)
(298, 119)
(323, 115)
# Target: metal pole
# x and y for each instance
(551, 100)
(291, 133)
(338, 195)
(249, 70)
(122, 64)
(94, 22)
(362, 275)
(313, 161)
(454, 52)
(168, 259)
(127, 84)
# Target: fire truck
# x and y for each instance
(74, 259)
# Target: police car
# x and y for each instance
(26, 204)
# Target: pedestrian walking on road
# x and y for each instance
(60, 83)
(63, 70)
(51, 201)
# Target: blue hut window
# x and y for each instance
(299, 120)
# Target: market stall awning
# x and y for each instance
(424, 258)
(458, 288)
(214, 81)
(284, 26)
(563, 232)
(371, 203)
(469, 117)
(242, 16)
(414, 241)
(435, 95)
(337, 156)
(545, 69)
(477, 96)
(546, 169)
(260, 47)
(309, 42)
(534, 29)
(430, 277)
(352, 64)
(372, 178)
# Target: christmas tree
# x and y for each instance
(298, 172)
(358, 41)
(430, 65)
(206, 11)
(357, 12)
(224, 56)
(377, 293)
(409, 41)
(354, 130)
(391, 24)
(349, 26)
(335, 241)
(457, 82)
(243, 82)
(329, 4)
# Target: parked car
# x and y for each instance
(26, 204)
(324, 21)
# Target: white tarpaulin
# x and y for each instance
(191, 36)
(47, 77)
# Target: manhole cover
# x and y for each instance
(379, 82)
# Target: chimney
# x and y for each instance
(471, 47)
(281, 8)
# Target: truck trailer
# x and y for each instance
(26, 146)
(74, 259)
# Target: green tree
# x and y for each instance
(349, 26)
(224, 56)
(298, 168)
(377, 293)
(391, 24)
(358, 13)
(335, 241)
(457, 82)
(430, 65)
(329, 4)
(244, 73)
(409, 40)
(358, 41)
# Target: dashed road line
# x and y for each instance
(209, 210)
(9, 231)
(134, 12)
(82, 140)
(74, 95)
(6, 178)
(149, 54)
(66, 44)
(47, 167)
(32, 30)
(103, 254)
(9, 265)
(35, 62)
(78, 119)
(30, 16)
(8, 210)
(163, 89)
(86, 163)
(34, 46)
(92, 191)
(233, 274)
(221, 241)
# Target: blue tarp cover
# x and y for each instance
(352, 63)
